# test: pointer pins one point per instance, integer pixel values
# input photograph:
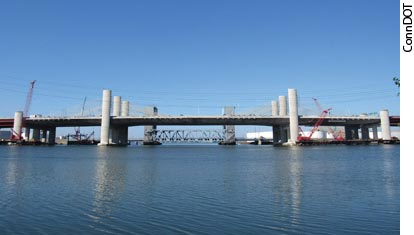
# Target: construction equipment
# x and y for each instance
(77, 134)
(29, 99)
(331, 131)
(82, 139)
(303, 137)
(18, 136)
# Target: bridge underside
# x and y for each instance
(200, 121)
(280, 124)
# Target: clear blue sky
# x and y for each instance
(194, 57)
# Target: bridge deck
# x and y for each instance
(42, 122)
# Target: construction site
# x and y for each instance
(288, 126)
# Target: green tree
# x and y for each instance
(397, 82)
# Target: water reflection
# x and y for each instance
(15, 173)
(295, 172)
(110, 177)
(390, 173)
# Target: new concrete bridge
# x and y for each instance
(114, 128)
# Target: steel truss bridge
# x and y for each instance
(195, 136)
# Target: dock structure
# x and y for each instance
(284, 120)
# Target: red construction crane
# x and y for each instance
(29, 99)
(18, 136)
(330, 130)
(302, 137)
(318, 105)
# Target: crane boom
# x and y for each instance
(318, 105)
(315, 127)
(29, 99)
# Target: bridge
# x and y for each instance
(114, 128)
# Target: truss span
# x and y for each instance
(195, 136)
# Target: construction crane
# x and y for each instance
(302, 136)
(330, 130)
(18, 136)
(29, 99)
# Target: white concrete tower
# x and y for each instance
(125, 109)
(117, 106)
(275, 108)
(293, 115)
(385, 125)
(17, 125)
(282, 106)
(106, 111)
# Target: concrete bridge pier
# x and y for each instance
(375, 132)
(229, 130)
(275, 108)
(44, 136)
(149, 131)
(52, 136)
(36, 135)
(123, 130)
(276, 135)
(105, 122)
(364, 132)
(125, 108)
(17, 125)
(119, 135)
(351, 132)
(385, 126)
(283, 130)
(293, 116)
(116, 137)
(123, 135)
(284, 134)
(27, 134)
(282, 106)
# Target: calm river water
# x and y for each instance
(200, 189)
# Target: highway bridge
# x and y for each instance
(114, 128)
(41, 122)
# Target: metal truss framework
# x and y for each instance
(206, 136)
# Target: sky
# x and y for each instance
(194, 57)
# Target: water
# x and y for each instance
(199, 190)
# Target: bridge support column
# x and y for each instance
(123, 135)
(229, 130)
(375, 132)
(105, 122)
(276, 135)
(44, 136)
(114, 130)
(119, 135)
(284, 134)
(117, 106)
(123, 130)
(275, 108)
(282, 106)
(364, 133)
(17, 125)
(36, 135)
(293, 116)
(149, 131)
(27, 134)
(385, 126)
(52, 136)
(114, 138)
(351, 133)
(125, 109)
